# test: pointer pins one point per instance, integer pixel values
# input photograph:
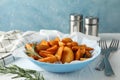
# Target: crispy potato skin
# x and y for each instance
(66, 40)
(68, 55)
(59, 53)
(50, 59)
(43, 45)
(53, 49)
(77, 54)
(45, 54)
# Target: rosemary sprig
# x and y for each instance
(30, 50)
(26, 73)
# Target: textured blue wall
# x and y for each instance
(54, 14)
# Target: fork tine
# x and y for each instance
(114, 45)
(117, 44)
(103, 45)
(111, 44)
(100, 43)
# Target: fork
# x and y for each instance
(105, 63)
(113, 47)
(103, 45)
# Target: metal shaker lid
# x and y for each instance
(76, 17)
(91, 20)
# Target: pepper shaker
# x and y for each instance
(76, 23)
(91, 26)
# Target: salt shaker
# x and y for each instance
(91, 26)
(76, 23)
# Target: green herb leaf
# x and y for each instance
(26, 73)
(31, 50)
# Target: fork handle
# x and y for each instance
(108, 68)
(100, 65)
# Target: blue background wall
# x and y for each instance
(54, 14)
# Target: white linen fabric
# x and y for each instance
(11, 40)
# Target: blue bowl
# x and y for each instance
(68, 67)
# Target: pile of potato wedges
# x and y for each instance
(56, 50)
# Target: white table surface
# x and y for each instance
(87, 73)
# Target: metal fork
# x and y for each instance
(105, 63)
(103, 45)
(113, 47)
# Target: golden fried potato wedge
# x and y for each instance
(44, 42)
(45, 54)
(53, 48)
(78, 54)
(89, 48)
(66, 40)
(57, 39)
(74, 43)
(61, 43)
(53, 42)
(82, 45)
(43, 45)
(75, 48)
(88, 54)
(82, 59)
(59, 52)
(82, 50)
(51, 59)
(67, 55)
(69, 44)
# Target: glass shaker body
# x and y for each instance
(91, 30)
(76, 23)
(91, 26)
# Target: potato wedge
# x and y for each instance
(78, 54)
(89, 48)
(61, 43)
(45, 54)
(74, 43)
(43, 45)
(66, 40)
(82, 59)
(88, 54)
(69, 44)
(57, 39)
(53, 49)
(82, 51)
(54, 41)
(51, 59)
(67, 55)
(75, 48)
(59, 52)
